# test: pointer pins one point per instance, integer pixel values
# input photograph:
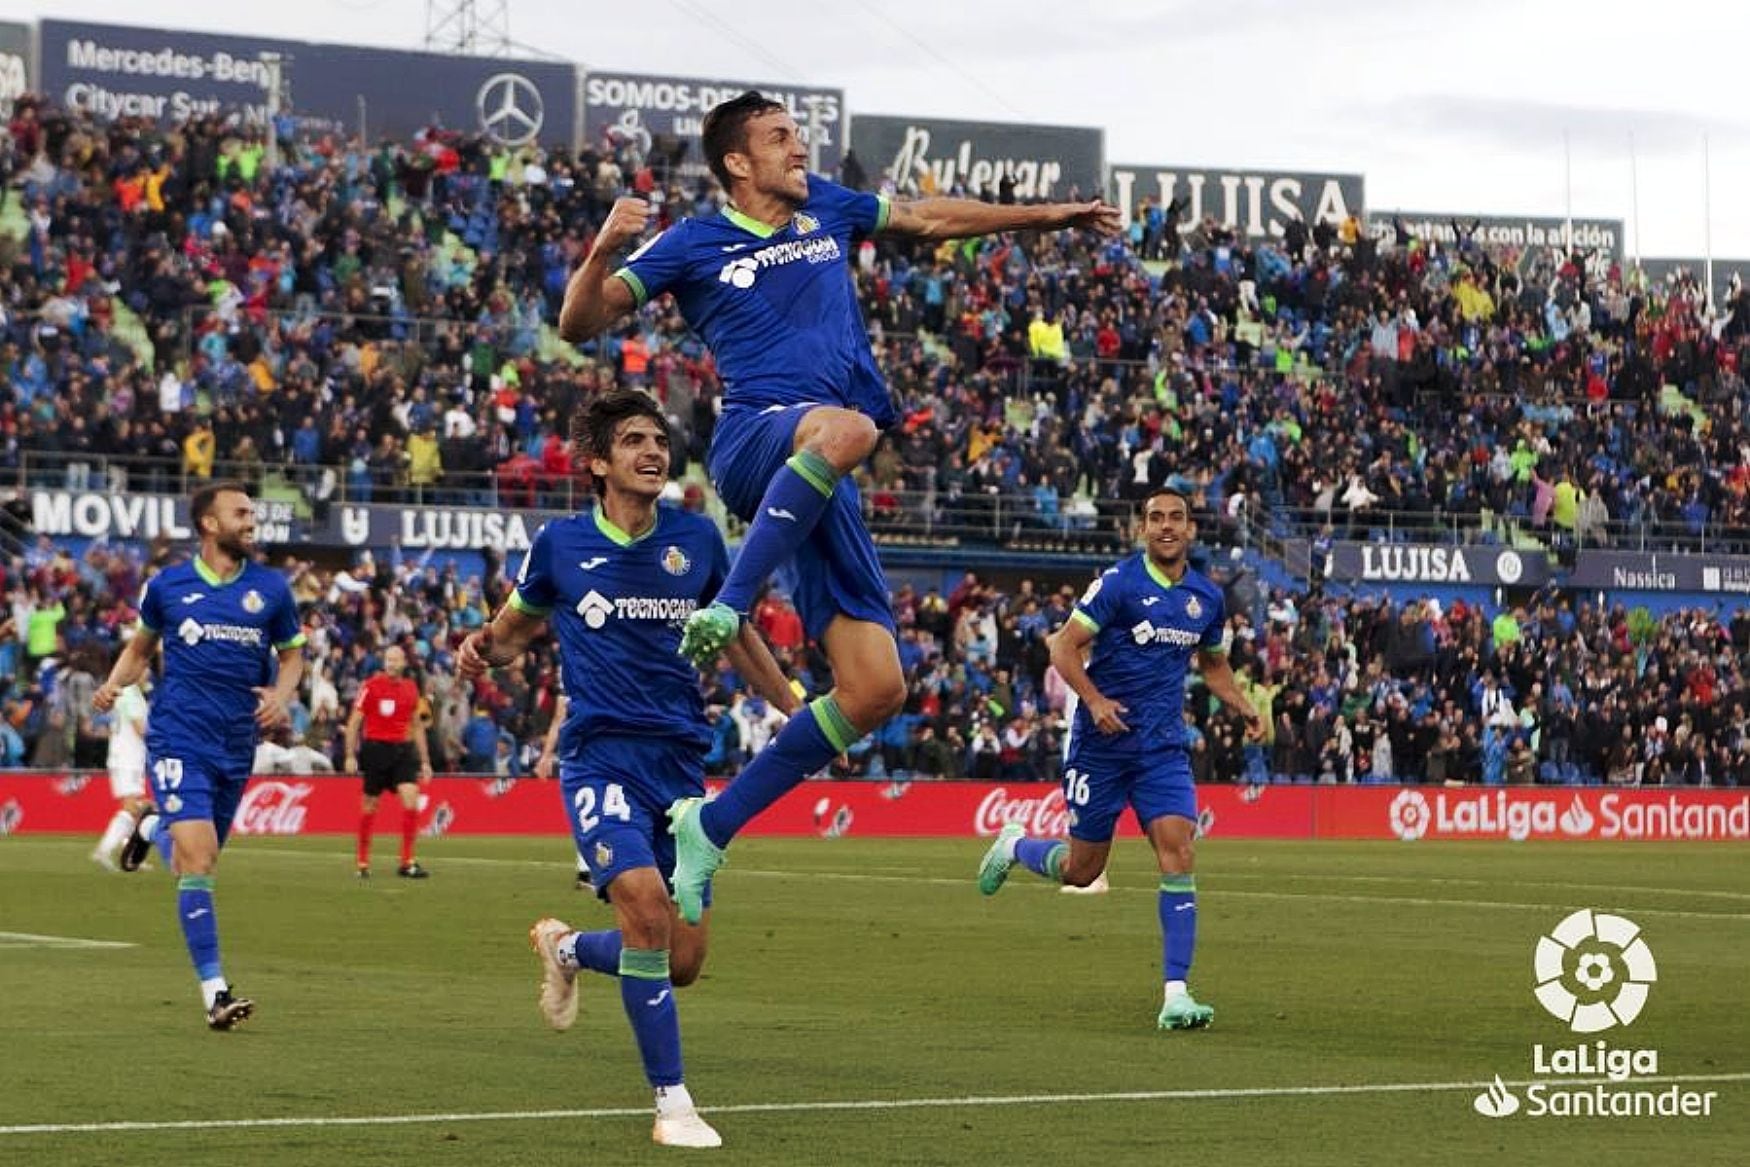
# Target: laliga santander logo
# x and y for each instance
(1409, 815)
(273, 808)
(1047, 816)
(1594, 971)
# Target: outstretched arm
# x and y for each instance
(500, 642)
(964, 218)
(594, 299)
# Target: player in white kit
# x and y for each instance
(127, 773)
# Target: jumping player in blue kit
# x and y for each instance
(616, 583)
(223, 620)
(765, 283)
(1145, 619)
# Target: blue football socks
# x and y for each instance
(596, 951)
(794, 501)
(1178, 906)
(200, 924)
(648, 996)
(810, 740)
(1043, 857)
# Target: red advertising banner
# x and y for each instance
(299, 805)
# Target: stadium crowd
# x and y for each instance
(1354, 689)
(374, 323)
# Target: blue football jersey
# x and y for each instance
(1146, 629)
(617, 606)
(776, 306)
(220, 641)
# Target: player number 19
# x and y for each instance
(1075, 787)
(168, 772)
(613, 806)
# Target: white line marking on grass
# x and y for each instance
(951, 1103)
(33, 940)
(1221, 892)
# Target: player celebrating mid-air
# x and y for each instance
(1144, 618)
(222, 617)
(393, 756)
(617, 583)
(765, 284)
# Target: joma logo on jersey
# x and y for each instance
(1147, 633)
(595, 608)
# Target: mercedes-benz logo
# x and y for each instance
(511, 109)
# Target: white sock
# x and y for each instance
(1175, 989)
(116, 833)
(1009, 846)
(673, 1101)
(148, 825)
(211, 988)
(566, 951)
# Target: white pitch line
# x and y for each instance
(1225, 892)
(864, 1104)
(33, 940)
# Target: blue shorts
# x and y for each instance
(1098, 787)
(192, 787)
(837, 569)
(617, 792)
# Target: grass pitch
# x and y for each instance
(862, 1004)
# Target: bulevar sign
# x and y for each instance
(290, 805)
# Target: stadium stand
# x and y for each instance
(373, 325)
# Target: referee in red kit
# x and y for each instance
(393, 755)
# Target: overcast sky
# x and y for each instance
(1443, 106)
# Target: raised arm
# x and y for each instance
(595, 298)
(964, 218)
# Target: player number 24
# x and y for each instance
(613, 805)
(168, 772)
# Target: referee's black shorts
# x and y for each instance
(386, 765)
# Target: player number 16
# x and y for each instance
(1075, 787)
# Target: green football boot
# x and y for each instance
(1183, 1013)
(696, 858)
(994, 870)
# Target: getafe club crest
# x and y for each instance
(252, 601)
(675, 561)
(805, 223)
(604, 855)
(1192, 608)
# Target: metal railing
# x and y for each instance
(1513, 530)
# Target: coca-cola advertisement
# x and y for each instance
(286, 806)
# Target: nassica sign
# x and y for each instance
(111, 71)
(15, 70)
(1261, 203)
(1046, 161)
(1652, 572)
(1434, 564)
(666, 115)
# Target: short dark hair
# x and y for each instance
(1171, 492)
(593, 426)
(725, 129)
(202, 500)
